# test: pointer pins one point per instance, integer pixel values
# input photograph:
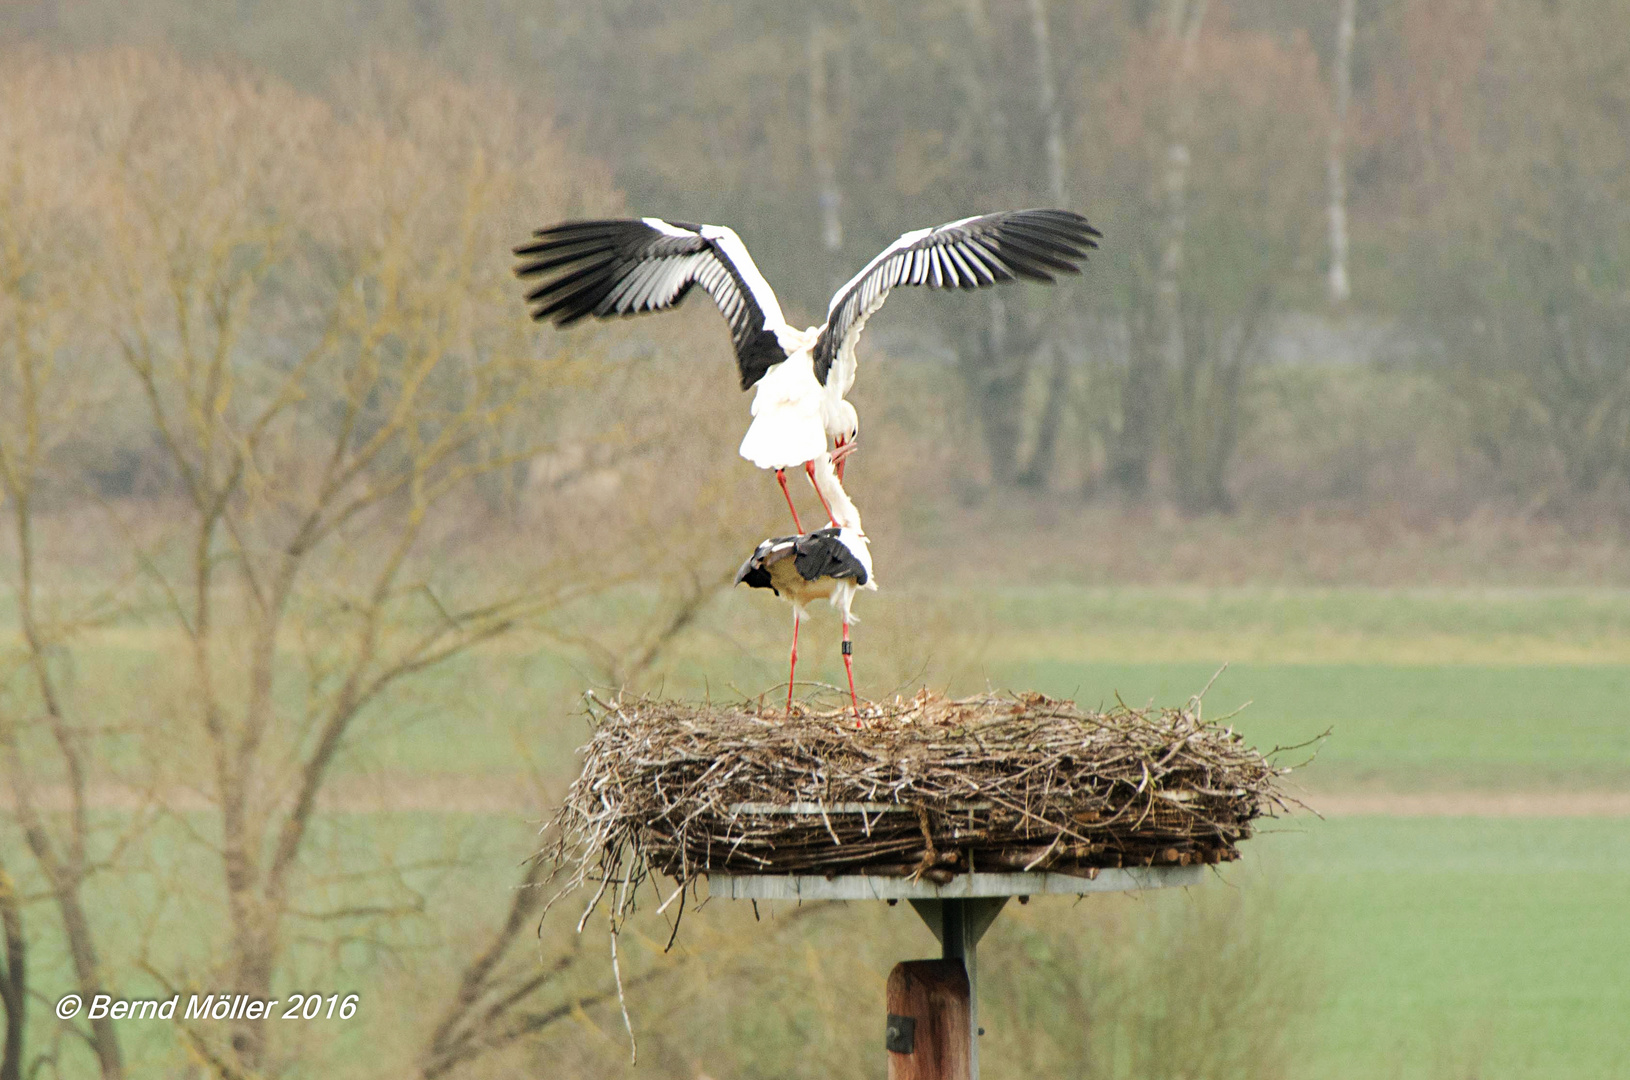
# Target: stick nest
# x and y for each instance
(927, 787)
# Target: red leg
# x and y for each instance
(793, 670)
(809, 467)
(849, 667)
(781, 477)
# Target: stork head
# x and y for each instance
(845, 423)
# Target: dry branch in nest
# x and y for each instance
(926, 788)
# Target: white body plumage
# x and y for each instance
(789, 406)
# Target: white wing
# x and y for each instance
(966, 254)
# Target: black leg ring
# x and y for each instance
(847, 651)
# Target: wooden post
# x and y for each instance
(928, 1011)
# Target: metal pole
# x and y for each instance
(958, 944)
(959, 923)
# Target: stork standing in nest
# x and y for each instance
(828, 564)
(633, 265)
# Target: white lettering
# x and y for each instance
(99, 1007)
(199, 1010)
(222, 1009)
(120, 1010)
(166, 1011)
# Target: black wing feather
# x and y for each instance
(821, 554)
(626, 266)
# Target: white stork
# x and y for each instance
(632, 265)
(827, 564)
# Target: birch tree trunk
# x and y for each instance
(829, 195)
(1340, 288)
(1047, 101)
(1184, 21)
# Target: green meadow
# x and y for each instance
(1459, 946)
(1419, 690)
(1434, 948)
(1431, 947)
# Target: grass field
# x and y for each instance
(1400, 726)
(1464, 946)
(1441, 947)
(1444, 946)
(1419, 689)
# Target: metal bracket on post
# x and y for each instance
(901, 1034)
(959, 924)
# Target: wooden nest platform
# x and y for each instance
(926, 788)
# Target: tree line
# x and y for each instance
(1452, 171)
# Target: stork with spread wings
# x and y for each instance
(800, 378)
(633, 265)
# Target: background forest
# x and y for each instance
(312, 541)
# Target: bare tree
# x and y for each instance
(1218, 223)
(1183, 22)
(1000, 346)
(309, 482)
(1518, 230)
(1045, 453)
(339, 401)
(1150, 298)
(39, 404)
(995, 363)
(328, 378)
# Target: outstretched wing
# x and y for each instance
(631, 265)
(966, 254)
